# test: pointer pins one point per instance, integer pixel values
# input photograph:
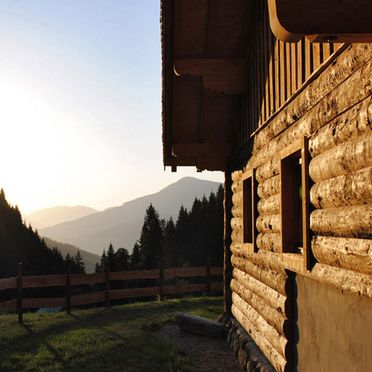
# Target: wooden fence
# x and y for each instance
(68, 281)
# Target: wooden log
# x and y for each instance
(350, 254)
(268, 169)
(352, 123)
(342, 159)
(269, 242)
(136, 274)
(346, 280)
(270, 314)
(273, 298)
(266, 259)
(200, 326)
(351, 189)
(278, 341)
(343, 97)
(269, 187)
(346, 64)
(237, 224)
(271, 205)
(274, 280)
(276, 359)
(268, 224)
(348, 222)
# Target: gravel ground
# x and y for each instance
(203, 353)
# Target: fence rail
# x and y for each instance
(68, 281)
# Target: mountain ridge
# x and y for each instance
(95, 232)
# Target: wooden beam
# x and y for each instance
(323, 21)
(227, 84)
(202, 149)
(210, 66)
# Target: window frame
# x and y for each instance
(295, 261)
(249, 211)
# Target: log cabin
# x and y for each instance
(277, 95)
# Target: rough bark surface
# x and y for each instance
(269, 295)
(269, 242)
(269, 187)
(351, 254)
(342, 159)
(271, 315)
(270, 205)
(271, 278)
(348, 222)
(278, 341)
(353, 123)
(351, 189)
(276, 359)
(348, 280)
(344, 66)
(268, 224)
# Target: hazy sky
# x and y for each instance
(80, 110)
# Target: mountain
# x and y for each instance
(122, 225)
(89, 259)
(52, 216)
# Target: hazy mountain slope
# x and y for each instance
(52, 216)
(89, 259)
(122, 225)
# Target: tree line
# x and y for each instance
(195, 237)
(21, 243)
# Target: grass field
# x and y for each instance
(121, 338)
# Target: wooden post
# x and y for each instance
(209, 279)
(68, 287)
(107, 287)
(19, 293)
(227, 267)
(161, 278)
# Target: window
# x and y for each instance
(250, 210)
(294, 205)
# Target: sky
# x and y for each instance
(80, 103)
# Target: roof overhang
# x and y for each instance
(204, 45)
(321, 20)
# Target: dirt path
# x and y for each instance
(204, 354)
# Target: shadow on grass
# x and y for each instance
(119, 338)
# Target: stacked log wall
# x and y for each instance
(335, 112)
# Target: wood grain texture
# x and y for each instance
(345, 190)
(8, 283)
(349, 254)
(349, 222)
(342, 159)
(276, 359)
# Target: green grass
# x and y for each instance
(121, 338)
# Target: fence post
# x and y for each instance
(161, 278)
(107, 287)
(68, 287)
(209, 279)
(19, 293)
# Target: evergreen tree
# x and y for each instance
(80, 266)
(111, 258)
(122, 261)
(135, 258)
(151, 239)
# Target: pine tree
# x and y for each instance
(110, 258)
(80, 266)
(135, 258)
(151, 239)
(122, 262)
